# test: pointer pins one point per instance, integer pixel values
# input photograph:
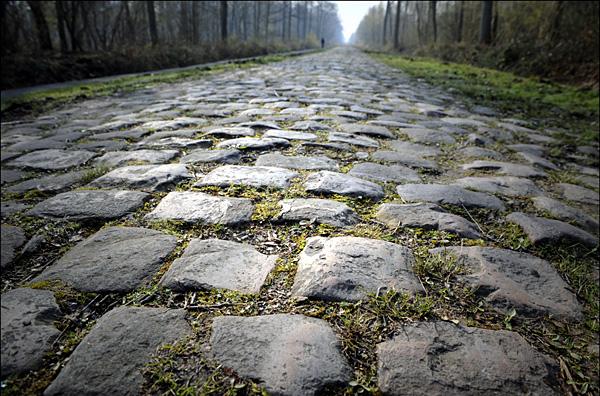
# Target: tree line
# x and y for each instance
(520, 28)
(92, 26)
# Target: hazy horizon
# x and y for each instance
(351, 13)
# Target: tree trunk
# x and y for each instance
(114, 29)
(130, 23)
(268, 20)
(298, 22)
(72, 25)
(60, 19)
(419, 31)
(461, 19)
(310, 17)
(289, 21)
(485, 27)
(403, 24)
(397, 26)
(81, 8)
(555, 29)
(283, 17)
(385, 23)
(256, 25)
(100, 36)
(195, 22)
(433, 16)
(8, 40)
(41, 26)
(92, 42)
(245, 20)
(166, 30)
(223, 20)
(232, 29)
(305, 21)
(152, 22)
(320, 20)
(184, 19)
(495, 25)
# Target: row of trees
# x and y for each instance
(91, 26)
(411, 24)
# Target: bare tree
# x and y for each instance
(88, 27)
(385, 22)
(60, 22)
(403, 30)
(289, 20)
(433, 18)
(397, 26)
(256, 19)
(461, 18)
(245, 21)
(485, 27)
(223, 20)
(183, 21)
(152, 22)
(310, 17)
(71, 9)
(495, 22)
(319, 26)
(118, 24)
(283, 18)
(556, 20)
(419, 29)
(299, 15)
(194, 22)
(130, 24)
(232, 23)
(41, 26)
(305, 22)
(268, 20)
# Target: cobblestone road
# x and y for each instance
(307, 225)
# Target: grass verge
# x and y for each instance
(35, 103)
(548, 104)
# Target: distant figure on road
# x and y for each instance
(322, 42)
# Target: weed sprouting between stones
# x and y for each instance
(184, 368)
(94, 173)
